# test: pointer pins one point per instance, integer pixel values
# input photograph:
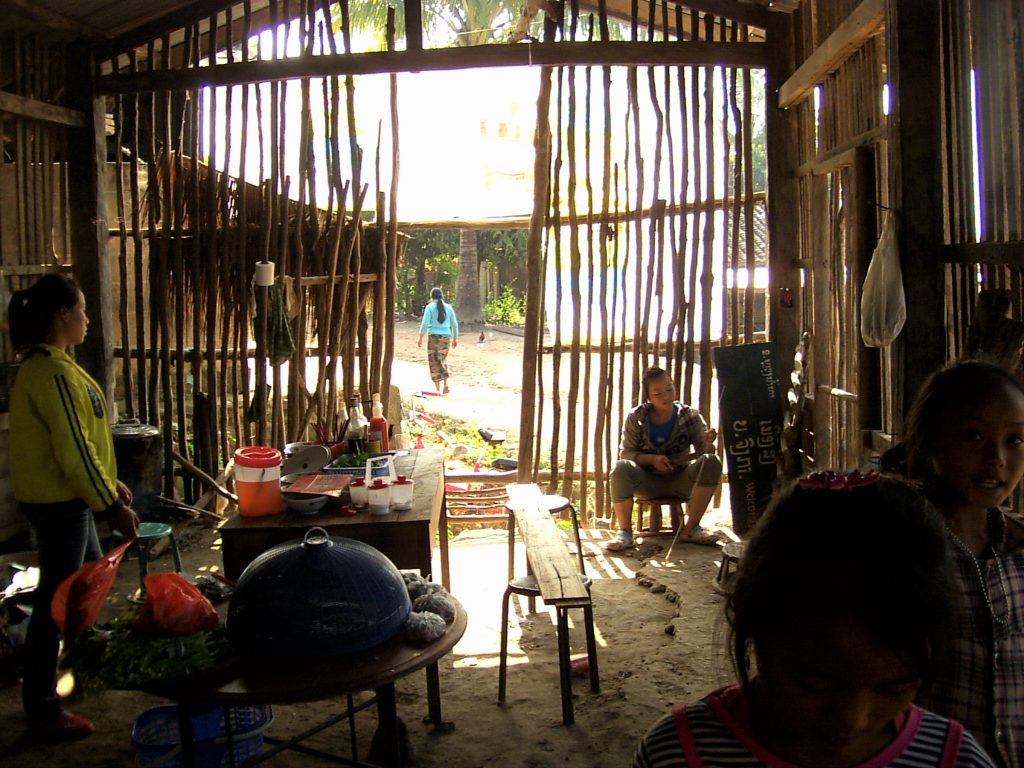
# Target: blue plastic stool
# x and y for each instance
(149, 533)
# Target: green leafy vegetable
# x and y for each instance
(113, 655)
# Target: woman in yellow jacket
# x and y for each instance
(63, 470)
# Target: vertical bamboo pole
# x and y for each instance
(392, 230)
(534, 271)
(139, 249)
(122, 254)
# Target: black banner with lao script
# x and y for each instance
(750, 403)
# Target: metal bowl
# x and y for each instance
(305, 503)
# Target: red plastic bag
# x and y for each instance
(79, 598)
(174, 606)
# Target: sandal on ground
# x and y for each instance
(699, 536)
(67, 726)
(620, 542)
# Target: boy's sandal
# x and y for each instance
(619, 543)
(700, 536)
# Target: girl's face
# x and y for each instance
(661, 392)
(827, 695)
(71, 324)
(978, 454)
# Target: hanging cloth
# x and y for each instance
(280, 342)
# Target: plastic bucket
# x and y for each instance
(258, 480)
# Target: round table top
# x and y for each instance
(248, 681)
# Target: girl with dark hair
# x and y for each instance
(441, 328)
(964, 444)
(842, 603)
(62, 472)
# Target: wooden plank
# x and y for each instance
(556, 570)
(33, 109)
(1008, 254)
(682, 53)
(866, 20)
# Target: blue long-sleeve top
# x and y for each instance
(430, 324)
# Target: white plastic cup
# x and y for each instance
(380, 497)
(359, 492)
(401, 492)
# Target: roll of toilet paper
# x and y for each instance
(264, 273)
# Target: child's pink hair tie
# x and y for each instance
(839, 481)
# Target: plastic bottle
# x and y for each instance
(377, 432)
(354, 435)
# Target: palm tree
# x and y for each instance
(457, 23)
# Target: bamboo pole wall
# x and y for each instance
(621, 295)
(983, 157)
(201, 346)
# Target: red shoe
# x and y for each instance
(66, 727)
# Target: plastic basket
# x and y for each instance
(157, 738)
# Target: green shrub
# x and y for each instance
(509, 308)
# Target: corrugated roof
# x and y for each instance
(107, 19)
(95, 19)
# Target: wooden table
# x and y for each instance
(407, 537)
(247, 682)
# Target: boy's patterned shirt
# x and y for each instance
(983, 684)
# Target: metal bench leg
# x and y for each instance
(503, 655)
(565, 665)
(588, 622)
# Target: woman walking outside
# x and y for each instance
(441, 328)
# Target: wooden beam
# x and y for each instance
(841, 156)
(734, 10)
(49, 19)
(1007, 254)
(172, 21)
(413, 25)
(915, 163)
(523, 222)
(685, 53)
(865, 21)
(782, 143)
(87, 162)
(34, 109)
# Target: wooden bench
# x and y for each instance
(557, 576)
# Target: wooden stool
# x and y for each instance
(732, 551)
(653, 509)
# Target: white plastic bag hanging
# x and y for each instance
(883, 307)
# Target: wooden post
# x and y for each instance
(87, 157)
(782, 141)
(863, 235)
(915, 164)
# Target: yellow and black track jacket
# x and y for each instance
(61, 444)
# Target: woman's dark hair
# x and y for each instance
(31, 311)
(876, 554)
(652, 373)
(957, 382)
(438, 295)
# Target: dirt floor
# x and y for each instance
(660, 637)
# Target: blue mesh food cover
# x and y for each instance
(317, 597)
